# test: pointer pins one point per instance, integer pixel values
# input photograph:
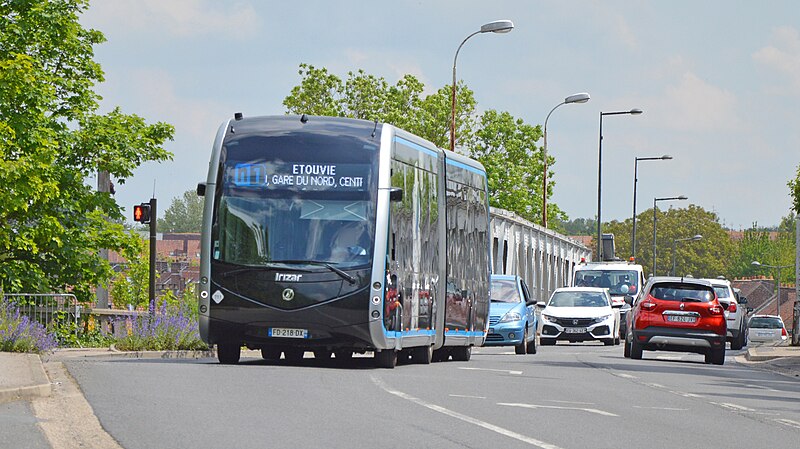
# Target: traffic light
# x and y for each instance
(141, 213)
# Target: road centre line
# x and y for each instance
(466, 396)
(569, 402)
(624, 376)
(738, 408)
(465, 418)
(588, 410)
(490, 369)
(671, 409)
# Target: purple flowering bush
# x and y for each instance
(18, 333)
(172, 327)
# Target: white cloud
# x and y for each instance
(693, 104)
(181, 18)
(783, 56)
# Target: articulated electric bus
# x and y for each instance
(341, 236)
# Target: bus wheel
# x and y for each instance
(322, 354)
(423, 355)
(228, 353)
(386, 358)
(344, 355)
(462, 353)
(270, 353)
(293, 355)
(441, 355)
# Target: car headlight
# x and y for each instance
(549, 318)
(511, 316)
(602, 318)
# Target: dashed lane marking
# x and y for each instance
(465, 418)
(588, 410)
(789, 422)
(466, 396)
(490, 369)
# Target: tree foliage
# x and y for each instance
(505, 145)
(185, 214)
(794, 191)
(758, 245)
(709, 257)
(52, 224)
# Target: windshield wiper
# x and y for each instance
(691, 300)
(344, 275)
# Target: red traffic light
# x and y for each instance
(141, 213)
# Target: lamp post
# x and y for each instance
(778, 267)
(582, 97)
(675, 247)
(635, 180)
(600, 169)
(655, 208)
(497, 26)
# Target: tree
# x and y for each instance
(711, 256)
(505, 145)
(794, 191)
(183, 215)
(757, 245)
(52, 224)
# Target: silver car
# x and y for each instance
(734, 313)
(767, 328)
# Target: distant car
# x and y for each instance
(735, 312)
(578, 314)
(767, 328)
(512, 315)
(677, 314)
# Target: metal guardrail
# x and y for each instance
(45, 308)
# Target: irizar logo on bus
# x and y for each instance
(286, 277)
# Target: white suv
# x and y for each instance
(734, 313)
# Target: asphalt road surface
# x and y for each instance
(566, 396)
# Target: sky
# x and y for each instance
(718, 82)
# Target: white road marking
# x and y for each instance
(466, 396)
(762, 387)
(672, 409)
(624, 376)
(465, 418)
(789, 422)
(490, 369)
(588, 410)
(738, 408)
(654, 385)
(668, 357)
(570, 402)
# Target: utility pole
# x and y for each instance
(103, 185)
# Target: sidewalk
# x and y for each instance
(22, 376)
(783, 359)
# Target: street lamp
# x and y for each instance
(655, 208)
(675, 245)
(778, 267)
(498, 26)
(635, 180)
(582, 97)
(600, 168)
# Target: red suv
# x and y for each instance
(677, 314)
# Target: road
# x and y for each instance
(567, 396)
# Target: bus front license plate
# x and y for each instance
(285, 332)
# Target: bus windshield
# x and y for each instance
(283, 201)
(618, 282)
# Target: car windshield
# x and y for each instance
(618, 282)
(765, 322)
(682, 292)
(505, 290)
(578, 299)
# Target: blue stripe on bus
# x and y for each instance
(409, 333)
(460, 333)
(466, 167)
(416, 146)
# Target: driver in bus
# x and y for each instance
(347, 242)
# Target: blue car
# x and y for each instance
(512, 315)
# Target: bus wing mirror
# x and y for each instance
(395, 194)
(201, 189)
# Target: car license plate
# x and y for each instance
(286, 332)
(764, 334)
(575, 330)
(681, 318)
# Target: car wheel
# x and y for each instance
(547, 341)
(522, 348)
(636, 350)
(627, 350)
(609, 341)
(736, 343)
(718, 356)
(532, 346)
(617, 340)
(386, 358)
